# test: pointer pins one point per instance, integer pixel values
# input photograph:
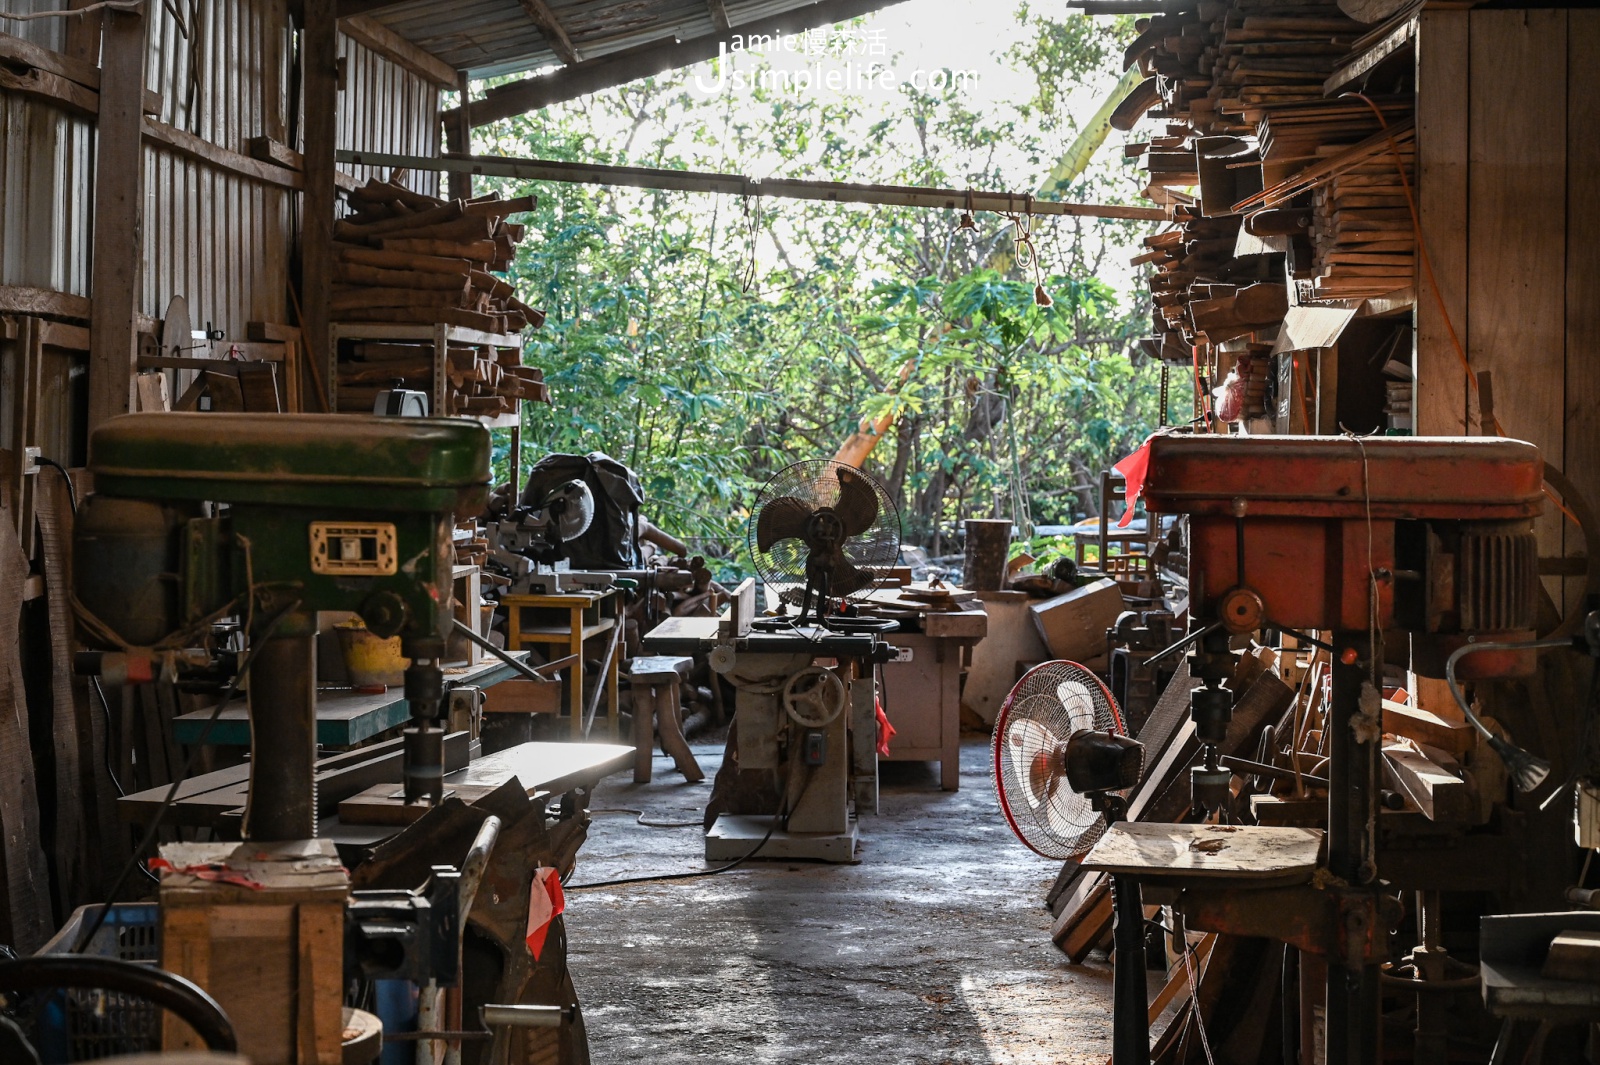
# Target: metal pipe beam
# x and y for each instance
(1012, 203)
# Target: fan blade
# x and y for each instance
(858, 502)
(846, 578)
(780, 519)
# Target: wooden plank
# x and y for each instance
(385, 804)
(1424, 726)
(1230, 851)
(1516, 277)
(1438, 793)
(555, 34)
(321, 102)
(1442, 76)
(19, 299)
(118, 210)
(1582, 437)
(18, 50)
(198, 148)
(376, 37)
(51, 88)
(24, 881)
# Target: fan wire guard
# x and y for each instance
(1051, 702)
(816, 483)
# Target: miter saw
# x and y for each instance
(530, 545)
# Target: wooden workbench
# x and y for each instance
(345, 717)
(567, 622)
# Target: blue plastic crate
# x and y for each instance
(74, 1026)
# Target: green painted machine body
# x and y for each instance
(286, 479)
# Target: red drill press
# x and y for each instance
(1369, 539)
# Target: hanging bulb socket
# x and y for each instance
(1041, 298)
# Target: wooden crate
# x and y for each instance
(523, 696)
(269, 949)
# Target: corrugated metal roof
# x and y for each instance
(489, 38)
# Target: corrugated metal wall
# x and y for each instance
(47, 175)
(217, 238)
(386, 108)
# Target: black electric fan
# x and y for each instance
(822, 533)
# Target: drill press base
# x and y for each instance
(735, 835)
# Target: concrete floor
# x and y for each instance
(934, 949)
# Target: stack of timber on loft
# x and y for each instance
(429, 266)
(1304, 199)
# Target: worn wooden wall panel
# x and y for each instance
(1516, 274)
(1581, 459)
(1443, 70)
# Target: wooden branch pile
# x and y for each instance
(402, 256)
(482, 379)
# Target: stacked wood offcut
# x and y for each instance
(402, 256)
(1273, 177)
(1362, 233)
(481, 379)
(1223, 63)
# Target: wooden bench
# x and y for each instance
(654, 683)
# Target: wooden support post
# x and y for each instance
(118, 243)
(319, 48)
(1443, 63)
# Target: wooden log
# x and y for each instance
(345, 298)
(358, 274)
(375, 191)
(495, 286)
(404, 260)
(448, 212)
(988, 543)
(459, 229)
(487, 323)
(476, 250)
(498, 208)
(534, 315)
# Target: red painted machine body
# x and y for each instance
(1445, 523)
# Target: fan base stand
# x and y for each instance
(734, 835)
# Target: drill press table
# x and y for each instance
(345, 717)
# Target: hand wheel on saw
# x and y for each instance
(813, 697)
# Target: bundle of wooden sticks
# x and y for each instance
(403, 256)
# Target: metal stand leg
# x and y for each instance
(282, 801)
(1130, 1026)
(1353, 989)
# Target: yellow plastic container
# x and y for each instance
(371, 661)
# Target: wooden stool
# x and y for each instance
(654, 683)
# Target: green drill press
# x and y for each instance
(196, 518)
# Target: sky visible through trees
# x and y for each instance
(709, 340)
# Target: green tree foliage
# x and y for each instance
(708, 341)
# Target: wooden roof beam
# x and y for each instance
(605, 72)
(554, 33)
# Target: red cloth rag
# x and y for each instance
(1134, 468)
(546, 901)
(885, 730)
